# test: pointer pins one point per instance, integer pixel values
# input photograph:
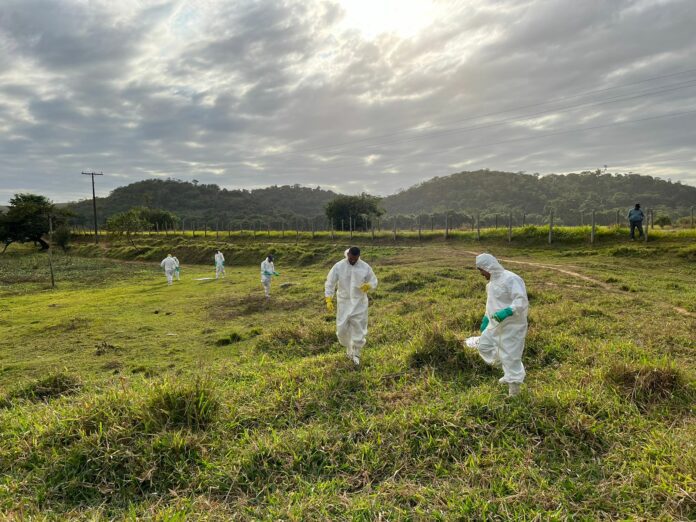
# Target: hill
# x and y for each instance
(485, 192)
(209, 203)
(501, 192)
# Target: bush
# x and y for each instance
(663, 221)
(62, 237)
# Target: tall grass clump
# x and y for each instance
(305, 338)
(438, 347)
(645, 384)
(52, 386)
(192, 405)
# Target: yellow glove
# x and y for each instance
(330, 305)
(366, 287)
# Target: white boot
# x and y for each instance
(513, 389)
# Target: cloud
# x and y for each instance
(254, 93)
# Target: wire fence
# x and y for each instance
(422, 227)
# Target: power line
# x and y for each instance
(485, 115)
(447, 132)
(538, 136)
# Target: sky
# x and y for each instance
(349, 95)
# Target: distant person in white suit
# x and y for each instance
(219, 265)
(169, 264)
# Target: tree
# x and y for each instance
(361, 209)
(127, 223)
(157, 217)
(27, 219)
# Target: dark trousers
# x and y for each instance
(639, 226)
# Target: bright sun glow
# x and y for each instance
(404, 18)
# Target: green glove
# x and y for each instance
(484, 323)
(266, 273)
(276, 274)
(503, 314)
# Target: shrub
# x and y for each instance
(62, 237)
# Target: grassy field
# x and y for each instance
(122, 398)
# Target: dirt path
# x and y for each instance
(577, 275)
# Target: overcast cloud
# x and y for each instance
(350, 95)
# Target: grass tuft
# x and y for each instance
(646, 384)
(55, 385)
(439, 348)
(305, 338)
(182, 405)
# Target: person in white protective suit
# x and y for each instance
(350, 279)
(267, 272)
(219, 265)
(504, 325)
(177, 270)
(169, 265)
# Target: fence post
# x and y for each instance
(420, 227)
(510, 228)
(183, 227)
(217, 230)
(193, 232)
(312, 228)
(551, 227)
(332, 230)
(447, 225)
(205, 229)
(394, 228)
(524, 219)
(692, 217)
(647, 225)
(592, 234)
(617, 218)
(350, 225)
(478, 227)
(372, 229)
(496, 221)
(297, 231)
(157, 227)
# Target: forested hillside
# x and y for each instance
(209, 203)
(481, 192)
(567, 195)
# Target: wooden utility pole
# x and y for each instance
(94, 203)
(551, 227)
(592, 235)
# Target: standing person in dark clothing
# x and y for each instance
(635, 218)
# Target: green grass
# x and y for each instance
(123, 399)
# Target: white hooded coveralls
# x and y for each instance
(176, 268)
(219, 265)
(267, 267)
(345, 281)
(169, 265)
(503, 343)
